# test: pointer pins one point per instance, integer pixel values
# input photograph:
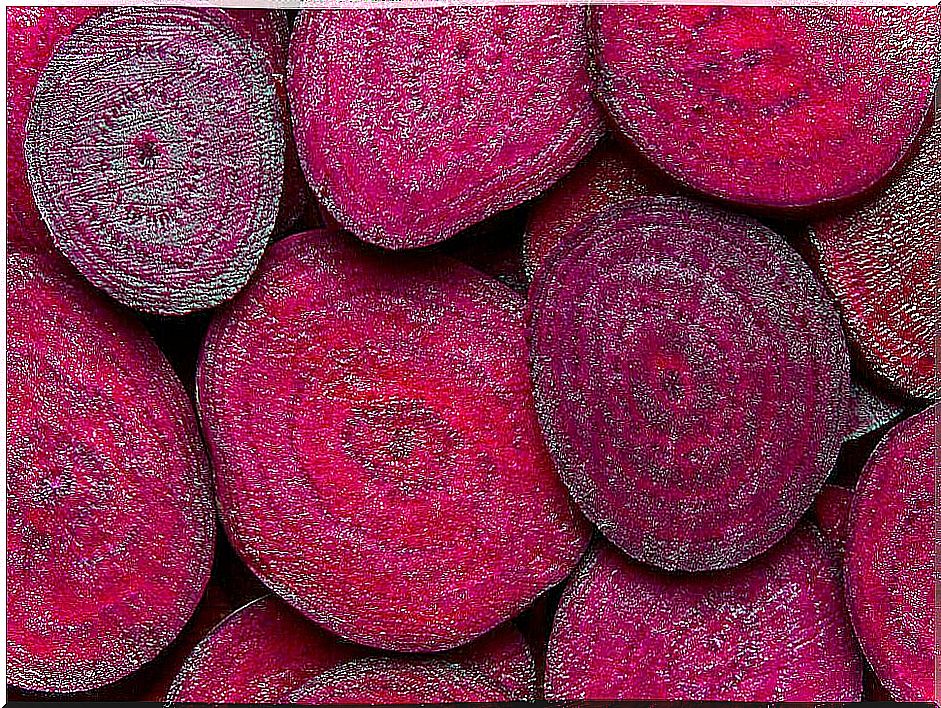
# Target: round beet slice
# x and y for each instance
(156, 155)
(881, 261)
(890, 571)
(691, 379)
(384, 681)
(413, 125)
(831, 512)
(773, 629)
(110, 526)
(377, 457)
(778, 107)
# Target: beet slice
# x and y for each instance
(890, 577)
(390, 395)
(503, 655)
(881, 262)
(413, 125)
(691, 379)
(773, 629)
(832, 512)
(110, 525)
(780, 107)
(383, 681)
(157, 164)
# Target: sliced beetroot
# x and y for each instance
(890, 576)
(881, 262)
(155, 153)
(773, 629)
(390, 396)
(831, 512)
(109, 512)
(413, 125)
(504, 656)
(779, 107)
(691, 378)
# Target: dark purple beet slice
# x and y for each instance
(890, 576)
(109, 514)
(780, 107)
(413, 125)
(691, 379)
(155, 153)
(390, 395)
(831, 512)
(773, 629)
(881, 261)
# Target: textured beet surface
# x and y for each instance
(109, 516)
(423, 509)
(769, 106)
(412, 125)
(691, 379)
(773, 629)
(890, 583)
(155, 153)
(882, 261)
(832, 513)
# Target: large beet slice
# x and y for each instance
(390, 395)
(778, 107)
(155, 153)
(882, 261)
(413, 125)
(890, 575)
(109, 519)
(691, 377)
(773, 629)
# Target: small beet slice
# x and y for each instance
(155, 153)
(413, 125)
(504, 656)
(779, 107)
(832, 513)
(889, 558)
(881, 261)
(110, 525)
(773, 629)
(390, 394)
(691, 379)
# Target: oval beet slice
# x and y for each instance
(832, 513)
(110, 525)
(773, 629)
(890, 576)
(390, 395)
(882, 261)
(690, 376)
(413, 125)
(779, 107)
(155, 154)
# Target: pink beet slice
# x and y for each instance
(110, 525)
(413, 125)
(503, 655)
(390, 395)
(881, 261)
(890, 577)
(779, 107)
(384, 681)
(691, 379)
(155, 153)
(831, 512)
(773, 629)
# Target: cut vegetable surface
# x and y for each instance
(890, 576)
(774, 629)
(413, 125)
(377, 455)
(778, 107)
(691, 379)
(109, 517)
(832, 514)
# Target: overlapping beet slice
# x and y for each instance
(773, 629)
(413, 125)
(691, 378)
(832, 513)
(156, 155)
(109, 519)
(779, 107)
(881, 261)
(377, 455)
(890, 568)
